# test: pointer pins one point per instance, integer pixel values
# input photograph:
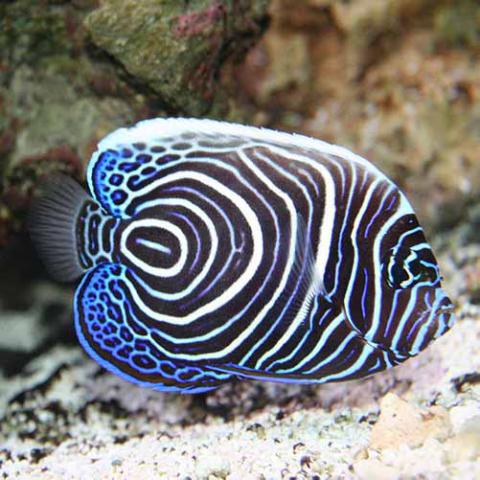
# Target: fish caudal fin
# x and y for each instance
(52, 224)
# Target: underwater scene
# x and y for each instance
(240, 239)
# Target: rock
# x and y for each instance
(400, 423)
(465, 445)
(52, 111)
(429, 461)
(372, 469)
(459, 24)
(177, 48)
(464, 416)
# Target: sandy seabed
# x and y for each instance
(65, 418)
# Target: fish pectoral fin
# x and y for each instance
(309, 282)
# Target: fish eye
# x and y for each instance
(405, 267)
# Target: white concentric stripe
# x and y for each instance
(345, 218)
(249, 272)
(306, 303)
(422, 331)
(146, 267)
(228, 322)
(386, 359)
(404, 236)
(310, 180)
(253, 325)
(291, 248)
(407, 234)
(404, 208)
(302, 341)
(211, 228)
(341, 166)
(329, 208)
(354, 368)
(393, 313)
(334, 324)
(420, 336)
(399, 332)
(233, 248)
(187, 204)
(156, 246)
(421, 246)
(380, 209)
(354, 240)
(367, 350)
(338, 351)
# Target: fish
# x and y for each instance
(209, 252)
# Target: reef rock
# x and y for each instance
(177, 48)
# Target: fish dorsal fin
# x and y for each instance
(127, 160)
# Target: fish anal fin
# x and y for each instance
(110, 331)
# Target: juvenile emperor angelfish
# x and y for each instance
(211, 251)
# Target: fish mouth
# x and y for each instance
(439, 322)
(445, 318)
(445, 306)
(434, 321)
(431, 324)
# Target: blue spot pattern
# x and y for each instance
(109, 179)
(108, 330)
(119, 172)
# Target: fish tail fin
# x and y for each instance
(52, 224)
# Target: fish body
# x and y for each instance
(210, 251)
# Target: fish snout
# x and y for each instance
(440, 320)
(445, 316)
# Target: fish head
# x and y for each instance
(412, 287)
(396, 301)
